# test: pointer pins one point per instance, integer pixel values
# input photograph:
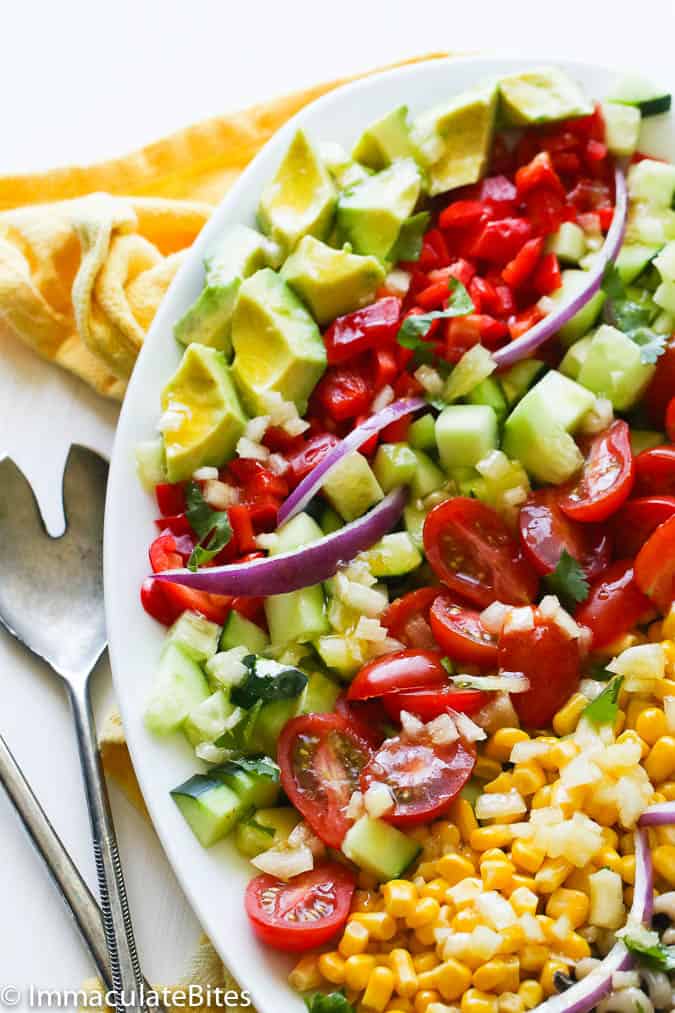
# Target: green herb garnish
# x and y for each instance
(212, 527)
(568, 580)
(632, 317)
(267, 681)
(659, 956)
(414, 329)
(604, 709)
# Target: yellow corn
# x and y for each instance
(627, 844)
(464, 818)
(425, 998)
(332, 967)
(574, 946)
(527, 855)
(425, 912)
(572, 903)
(434, 888)
(512, 938)
(499, 745)
(453, 979)
(666, 687)
(669, 624)
(379, 924)
(466, 920)
(542, 798)
(400, 897)
(533, 956)
(355, 939)
(634, 709)
(449, 835)
(519, 881)
(528, 777)
(358, 970)
(475, 1001)
(651, 724)
(660, 764)
(487, 768)
(619, 722)
(567, 718)
(454, 868)
(426, 980)
(524, 901)
(497, 875)
(627, 871)
(306, 976)
(365, 900)
(552, 875)
(632, 736)
(399, 1004)
(405, 977)
(427, 870)
(668, 791)
(579, 879)
(610, 858)
(379, 990)
(497, 836)
(559, 755)
(510, 1002)
(501, 974)
(425, 962)
(570, 800)
(547, 975)
(426, 934)
(663, 858)
(501, 783)
(531, 993)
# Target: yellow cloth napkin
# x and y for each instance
(86, 253)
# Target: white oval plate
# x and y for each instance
(214, 880)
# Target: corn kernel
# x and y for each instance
(574, 946)
(427, 870)
(567, 718)
(466, 920)
(399, 1004)
(627, 870)
(542, 798)
(332, 967)
(306, 976)
(559, 755)
(635, 707)
(379, 924)
(405, 977)
(400, 897)
(570, 799)
(572, 903)
(512, 938)
(358, 970)
(524, 901)
(487, 768)
(464, 817)
(354, 940)
(519, 881)
(533, 956)
(531, 993)
(450, 836)
(632, 736)
(379, 990)
(547, 975)
(578, 879)
(528, 777)
(619, 722)
(426, 980)
(435, 888)
(501, 784)
(527, 855)
(666, 687)
(475, 1001)
(425, 962)
(425, 998)
(663, 858)
(669, 624)
(365, 900)
(660, 764)
(552, 875)
(651, 724)
(453, 979)
(497, 836)
(425, 912)
(426, 934)
(499, 745)
(501, 974)
(454, 868)
(496, 875)
(510, 1002)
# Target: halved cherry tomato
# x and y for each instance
(655, 566)
(427, 704)
(546, 532)
(345, 390)
(636, 520)
(472, 551)
(401, 670)
(660, 391)
(407, 618)
(356, 332)
(321, 759)
(550, 659)
(368, 718)
(615, 604)
(655, 471)
(607, 478)
(424, 778)
(670, 420)
(303, 913)
(461, 634)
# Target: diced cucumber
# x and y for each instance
(242, 632)
(566, 402)
(665, 262)
(267, 829)
(197, 636)
(568, 243)
(622, 127)
(393, 555)
(209, 807)
(653, 182)
(474, 367)
(319, 695)
(301, 530)
(330, 520)
(489, 393)
(380, 849)
(180, 685)
(414, 524)
(151, 463)
(469, 482)
(297, 615)
(422, 433)
(613, 368)
(665, 296)
(268, 725)
(207, 721)
(256, 782)
(517, 380)
(572, 283)
(633, 259)
(575, 356)
(645, 439)
(351, 487)
(427, 478)
(636, 91)
(465, 435)
(395, 464)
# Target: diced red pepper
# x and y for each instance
(370, 446)
(242, 528)
(498, 191)
(538, 173)
(506, 303)
(567, 162)
(301, 462)
(462, 270)
(547, 277)
(407, 386)
(518, 270)
(596, 151)
(521, 323)
(606, 216)
(547, 209)
(492, 332)
(279, 441)
(463, 214)
(255, 480)
(462, 333)
(434, 296)
(164, 553)
(386, 366)
(170, 498)
(177, 524)
(436, 240)
(590, 194)
(500, 241)
(345, 391)
(396, 432)
(356, 332)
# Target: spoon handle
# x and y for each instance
(119, 934)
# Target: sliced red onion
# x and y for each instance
(289, 571)
(523, 347)
(661, 815)
(587, 993)
(310, 485)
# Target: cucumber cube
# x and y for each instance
(422, 433)
(665, 296)
(428, 476)
(330, 521)
(297, 615)
(195, 635)
(393, 555)
(653, 182)
(268, 724)
(414, 524)
(267, 829)
(489, 392)
(351, 487)
(465, 435)
(633, 259)
(257, 789)
(208, 720)
(319, 695)
(341, 654)
(566, 401)
(242, 632)
(180, 685)
(394, 464)
(575, 357)
(665, 262)
(378, 848)
(301, 530)
(622, 128)
(613, 368)
(210, 808)
(573, 281)
(568, 243)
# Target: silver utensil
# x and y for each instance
(51, 599)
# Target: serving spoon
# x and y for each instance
(51, 599)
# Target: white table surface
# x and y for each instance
(82, 81)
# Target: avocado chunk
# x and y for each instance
(612, 368)
(454, 139)
(300, 199)
(206, 417)
(238, 254)
(277, 345)
(542, 95)
(331, 282)
(371, 213)
(342, 167)
(385, 141)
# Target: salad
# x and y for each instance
(416, 554)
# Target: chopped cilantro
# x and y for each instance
(568, 581)
(605, 707)
(414, 329)
(212, 527)
(658, 957)
(632, 317)
(408, 246)
(267, 681)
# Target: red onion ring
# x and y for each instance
(523, 347)
(290, 571)
(661, 815)
(310, 485)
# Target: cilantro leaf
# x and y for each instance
(631, 317)
(652, 345)
(414, 329)
(659, 957)
(568, 581)
(605, 707)
(261, 766)
(267, 680)
(212, 527)
(408, 246)
(334, 1002)
(612, 282)
(600, 673)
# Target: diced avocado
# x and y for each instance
(542, 95)
(465, 434)
(414, 519)
(268, 828)
(393, 555)
(242, 632)
(613, 368)
(428, 476)
(207, 721)
(385, 141)
(568, 243)
(277, 344)
(370, 214)
(622, 128)
(633, 259)
(489, 392)
(351, 487)
(297, 615)
(340, 164)
(239, 253)
(209, 807)
(255, 781)
(573, 281)
(422, 433)
(380, 849)
(331, 282)
(653, 182)
(301, 530)
(180, 685)
(300, 198)
(454, 139)
(394, 464)
(645, 439)
(517, 380)
(195, 635)
(575, 357)
(207, 417)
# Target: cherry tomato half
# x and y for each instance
(321, 759)
(655, 472)
(303, 913)
(407, 618)
(368, 718)
(614, 605)
(655, 566)
(401, 670)
(636, 520)
(550, 659)
(607, 478)
(670, 420)
(660, 390)
(427, 704)
(461, 634)
(424, 778)
(546, 532)
(472, 551)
